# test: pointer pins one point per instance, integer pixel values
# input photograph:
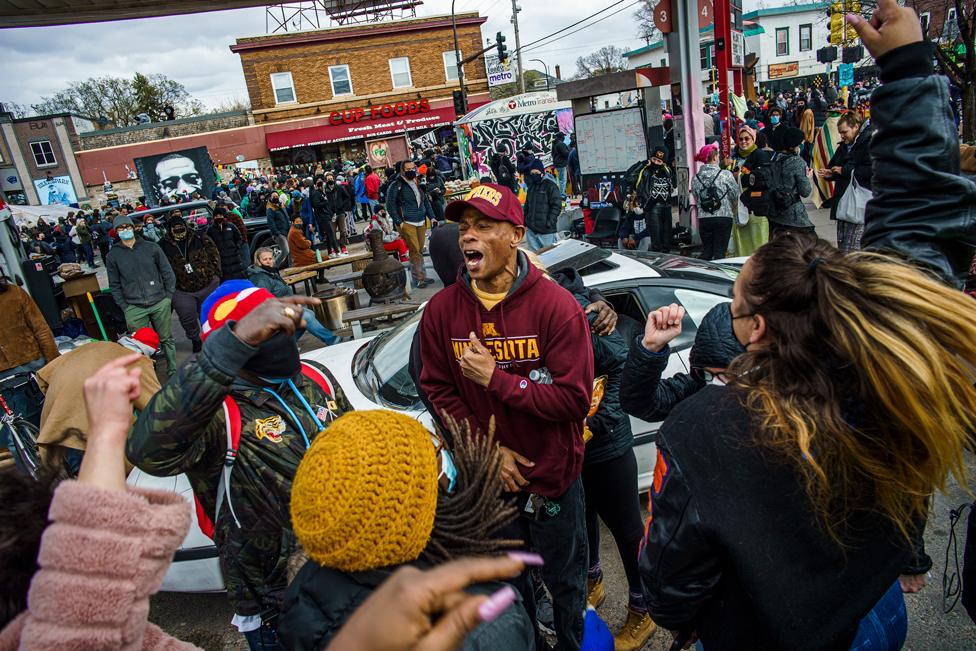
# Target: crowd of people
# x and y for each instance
(795, 466)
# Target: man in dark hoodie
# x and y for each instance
(492, 356)
(196, 262)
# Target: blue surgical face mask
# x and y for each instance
(774, 119)
(127, 234)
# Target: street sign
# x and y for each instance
(499, 72)
(662, 17)
(738, 49)
(845, 74)
(704, 13)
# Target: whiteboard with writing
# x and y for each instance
(610, 141)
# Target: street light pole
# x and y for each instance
(518, 44)
(546, 68)
(457, 56)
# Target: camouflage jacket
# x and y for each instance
(183, 430)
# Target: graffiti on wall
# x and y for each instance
(508, 135)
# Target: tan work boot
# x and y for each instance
(636, 631)
(596, 594)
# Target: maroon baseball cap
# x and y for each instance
(493, 201)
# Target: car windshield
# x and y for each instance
(383, 374)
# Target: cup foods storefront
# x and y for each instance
(381, 132)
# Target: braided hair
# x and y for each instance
(466, 520)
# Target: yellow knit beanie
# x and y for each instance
(365, 493)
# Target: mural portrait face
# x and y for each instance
(177, 175)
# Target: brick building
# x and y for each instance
(37, 158)
(325, 94)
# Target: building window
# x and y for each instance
(924, 18)
(707, 55)
(341, 80)
(284, 87)
(43, 153)
(400, 72)
(950, 29)
(806, 38)
(664, 63)
(782, 41)
(450, 65)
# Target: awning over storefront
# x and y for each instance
(322, 135)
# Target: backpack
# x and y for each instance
(766, 193)
(232, 418)
(710, 200)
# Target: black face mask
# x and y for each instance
(278, 357)
(179, 232)
(410, 175)
(331, 184)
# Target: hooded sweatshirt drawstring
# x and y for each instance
(291, 384)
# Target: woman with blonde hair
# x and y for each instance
(749, 231)
(786, 505)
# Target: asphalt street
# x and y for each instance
(204, 619)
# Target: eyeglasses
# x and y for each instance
(742, 316)
(446, 462)
(703, 375)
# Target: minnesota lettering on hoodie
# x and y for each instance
(538, 324)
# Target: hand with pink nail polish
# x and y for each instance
(428, 610)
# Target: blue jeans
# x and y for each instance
(536, 241)
(317, 330)
(886, 626)
(561, 177)
(262, 639)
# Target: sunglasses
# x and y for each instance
(445, 460)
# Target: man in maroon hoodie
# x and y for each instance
(480, 341)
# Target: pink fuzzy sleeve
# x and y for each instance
(104, 553)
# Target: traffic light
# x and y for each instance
(836, 28)
(502, 50)
(827, 54)
(853, 53)
(460, 105)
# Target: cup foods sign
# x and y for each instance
(398, 109)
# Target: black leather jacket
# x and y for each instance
(922, 209)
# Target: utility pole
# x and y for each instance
(518, 45)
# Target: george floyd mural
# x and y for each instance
(176, 175)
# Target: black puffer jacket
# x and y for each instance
(612, 435)
(227, 239)
(646, 396)
(320, 600)
(542, 206)
(922, 209)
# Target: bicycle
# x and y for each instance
(19, 432)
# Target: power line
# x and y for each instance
(583, 20)
(529, 49)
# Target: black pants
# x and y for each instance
(659, 225)
(103, 246)
(561, 541)
(327, 233)
(715, 233)
(611, 494)
(364, 212)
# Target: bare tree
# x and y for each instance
(646, 29)
(954, 50)
(120, 99)
(18, 110)
(607, 59)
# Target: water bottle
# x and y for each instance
(540, 375)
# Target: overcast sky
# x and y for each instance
(193, 49)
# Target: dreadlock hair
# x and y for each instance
(864, 380)
(466, 520)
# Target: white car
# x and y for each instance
(373, 371)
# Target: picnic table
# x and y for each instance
(307, 277)
(355, 318)
(328, 264)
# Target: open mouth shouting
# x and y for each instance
(473, 260)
